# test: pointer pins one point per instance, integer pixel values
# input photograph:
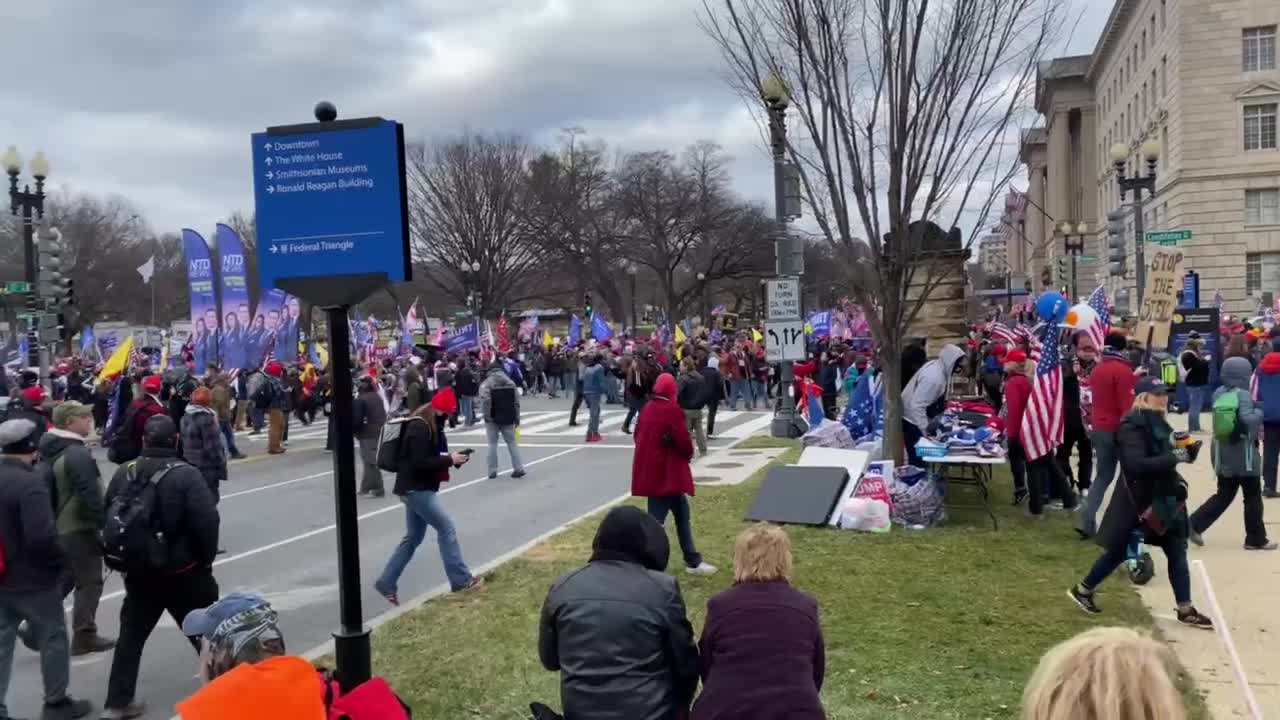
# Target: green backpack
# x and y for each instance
(1226, 410)
(1169, 372)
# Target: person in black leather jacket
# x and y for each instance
(617, 630)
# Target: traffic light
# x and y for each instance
(49, 247)
(1117, 253)
(63, 333)
(586, 303)
(1064, 270)
(1122, 302)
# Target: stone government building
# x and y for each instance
(1201, 78)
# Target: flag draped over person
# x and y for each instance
(503, 344)
(575, 330)
(1042, 421)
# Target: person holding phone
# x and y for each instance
(424, 464)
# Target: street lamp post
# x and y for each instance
(702, 283)
(1073, 244)
(631, 276)
(31, 206)
(773, 91)
(471, 281)
(1136, 184)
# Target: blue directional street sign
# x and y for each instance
(330, 201)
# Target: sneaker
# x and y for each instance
(377, 493)
(1271, 494)
(493, 476)
(1192, 617)
(1056, 505)
(26, 636)
(475, 583)
(239, 456)
(132, 710)
(702, 568)
(1196, 538)
(1084, 600)
(1019, 495)
(1083, 534)
(391, 596)
(67, 710)
(89, 643)
(518, 474)
(1263, 546)
(599, 437)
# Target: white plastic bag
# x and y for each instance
(865, 514)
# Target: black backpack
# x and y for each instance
(132, 539)
(264, 395)
(124, 446)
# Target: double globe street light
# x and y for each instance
(30, 205)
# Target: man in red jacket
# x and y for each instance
(1112, 385)
(660, 467)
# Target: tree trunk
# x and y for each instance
(890, 361)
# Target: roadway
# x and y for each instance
(277, 527)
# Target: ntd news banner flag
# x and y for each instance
(233, 345)
(204, 299)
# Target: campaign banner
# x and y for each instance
(290, 330)
(204, 297)
(463, 338)
(820, 323)
(233, 339)
(264, 333)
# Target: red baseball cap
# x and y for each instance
(1015, 356)
(151, 384)
(34, 394)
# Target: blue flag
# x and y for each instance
(313, 357)
(575, 330)
(821, 323)
(600, 329)
(87, 340)
(865, 413)
(463, 338)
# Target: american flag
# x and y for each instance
(1001, 332)
(139, 359)
(1101, 325)
(1015, 205)
(1042, 421)
(270, 356)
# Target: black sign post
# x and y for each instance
(332, 220)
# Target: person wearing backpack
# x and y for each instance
(80, 515)
(127, 443)
(202, 440)
(31, 565)
(500, 408)
(1236, 420)
(273, 399)
(162, 535)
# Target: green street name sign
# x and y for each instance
(15, 286)
(1168, 237)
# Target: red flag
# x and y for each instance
(504, 345)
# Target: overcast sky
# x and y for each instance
(154, 100)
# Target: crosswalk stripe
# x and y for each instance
(562, 418)
(748, 428)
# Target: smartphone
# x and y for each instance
(467, 451)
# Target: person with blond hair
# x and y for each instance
(761, 651)
(1150, 500)
(1108, 672)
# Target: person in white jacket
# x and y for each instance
(925, 397)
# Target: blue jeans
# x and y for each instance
(593, 409)
(509, 436)
(759, 394)
(677, 505)
(467, 409)
(43, 612)
(257, 418)
(229, 437)
(1175, 558)
(1195, 403)
(555, 383)
(423, 508)
(1105, 454)
(738, 389)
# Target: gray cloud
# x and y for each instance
(155, 99)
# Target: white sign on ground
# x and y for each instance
(783, 298)
(784, 340)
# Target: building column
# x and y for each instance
(1033, 257)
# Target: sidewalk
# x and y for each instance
(1247, 586)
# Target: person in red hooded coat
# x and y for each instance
(660, 468)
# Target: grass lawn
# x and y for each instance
(944, 623)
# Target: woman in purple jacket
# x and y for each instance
(761, 650)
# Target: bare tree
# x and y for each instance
(468, 204)
(680, 222)
(906, 113)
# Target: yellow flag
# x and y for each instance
(680, 336)
(164, 355)
(118, 361)
(323, 352)
(756, 335)
(546, 339)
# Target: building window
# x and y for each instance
(1259, 50)
(1164, 76)
(1164, 8)
(1262, 207)
(1252, 273)
(1260, 127)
